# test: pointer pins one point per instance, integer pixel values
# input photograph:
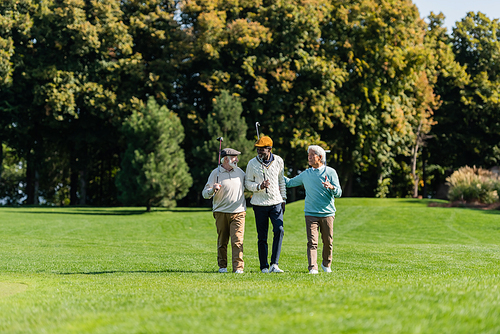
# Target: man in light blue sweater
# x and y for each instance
(322, 186)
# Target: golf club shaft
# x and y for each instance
(218, 161)
(264, 174)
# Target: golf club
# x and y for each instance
(257, 124)
(220, 139)
(264, 174)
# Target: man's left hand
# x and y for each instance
(283, 206)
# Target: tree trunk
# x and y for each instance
(30, 179)
(347, 188)
(36, 188)
(1, 160)
(414, 157)
(101, 176)
(83, 187)
(414, 173)
(73, 185)
(424, 176)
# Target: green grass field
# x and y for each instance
(399, 267)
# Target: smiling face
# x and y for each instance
(264, 152)
(233, 160)
(314, 159)
(230, 161)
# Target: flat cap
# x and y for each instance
(229, 151)
(264, 141)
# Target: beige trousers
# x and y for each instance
(230, 225)
(314, 225)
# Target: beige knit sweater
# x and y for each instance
(255, 173)
(231, 196)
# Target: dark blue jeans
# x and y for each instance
(262, 216)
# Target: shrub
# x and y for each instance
(474, 185)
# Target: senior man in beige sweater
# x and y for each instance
(227, 186)
(265, 178)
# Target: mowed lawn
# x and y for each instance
(399, 267)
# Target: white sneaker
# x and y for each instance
(275, 269)
(326, 269)
(313, 271)
(265, 271)
(239, 271)
(223, 270)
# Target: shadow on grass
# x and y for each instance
(139, 272)
(83, 212)
(105, 212)
(493, 208)
(492, 212)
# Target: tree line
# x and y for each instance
(108, 102)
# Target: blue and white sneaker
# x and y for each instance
(326, 269)
(275, 269)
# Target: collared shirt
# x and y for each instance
(319, 168)
(230, 198)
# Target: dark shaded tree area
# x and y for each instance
(368, 80)
(153, 169)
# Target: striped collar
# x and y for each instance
(266, 162)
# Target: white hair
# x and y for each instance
(318, 151)
(223, 159)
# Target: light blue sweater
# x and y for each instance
(320, 202)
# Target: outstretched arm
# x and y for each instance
(293, 182)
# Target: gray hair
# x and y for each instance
(226, 158)
(318, 151)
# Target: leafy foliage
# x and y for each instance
(225, 121)
(474, 184)
(369, 80)
(468, 122)
(154, 171)
(12, 175)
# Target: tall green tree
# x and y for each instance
(350, 75)
(14, 21)
(77, 69)
(468, 122)
(444, 72)
(153, 168)
(225, 121)
(58, 90)
(270, 53)
(387, 95)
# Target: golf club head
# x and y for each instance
(220, 139)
